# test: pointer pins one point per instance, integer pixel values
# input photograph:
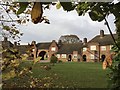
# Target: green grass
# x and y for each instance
(73, 74)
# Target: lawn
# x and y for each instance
(72, 74)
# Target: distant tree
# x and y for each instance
(69, 39)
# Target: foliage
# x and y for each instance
(69, 39)
(53, 59)
(10, 64)
(114, 75)
(17, 76)
(60, 61)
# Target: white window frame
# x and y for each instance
(103, 48)
(58, 55)
(75, 55)
(53, 48)
(93, 47)
(92, 56)
(84, 49)
(111, 47)
(63, 56)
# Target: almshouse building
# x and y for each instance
(98, 48)
(68, 48)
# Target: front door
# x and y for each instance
(69, 58)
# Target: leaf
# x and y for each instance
(6, 28)
(93, 15)
(23, 6)
(58, 5)
(67, 6)
(37, 12)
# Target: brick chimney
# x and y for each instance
(33, 43)
(85, 40)
(53, 41)
(15, 43)
(60, 43)
(101, 33)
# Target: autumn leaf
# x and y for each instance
(37, 12)
(23, 6)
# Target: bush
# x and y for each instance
(60, 61)
(53, 59)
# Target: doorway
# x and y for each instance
(84, 57)
(69, 58)
(103, 57)
(42, 55)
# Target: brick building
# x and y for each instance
(68, 50)
(98, 48)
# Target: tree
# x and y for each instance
(69, 39)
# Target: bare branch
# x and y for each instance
(8, 20)
(111, 33)
(7, 13)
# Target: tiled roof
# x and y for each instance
(69, 48)
(43, 45)
(106, 40)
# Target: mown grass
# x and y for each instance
(73, 74)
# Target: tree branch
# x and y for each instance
(7, 13)
(111, 34)
(8, 20)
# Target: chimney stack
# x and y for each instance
(101, 33)
(15, 43)
(33, 43)
(85, 40)
(53, 41)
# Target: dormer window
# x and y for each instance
(53, 49)
(93, 47)
(84, 49)
(103, 48)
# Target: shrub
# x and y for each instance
(53, 59)
(60, 61)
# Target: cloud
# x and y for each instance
(63, 23)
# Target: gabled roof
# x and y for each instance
(69, 48)
(43, 45)
(106, 40)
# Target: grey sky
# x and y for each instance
(63, 23)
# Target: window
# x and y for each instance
(111, 47)
(103, 48)
(84, 49)
(53, 49)
(58, 55)
(91, 56)
(63, 55)
(93, 47)
(75, 56)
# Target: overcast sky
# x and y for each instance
(63, 23)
